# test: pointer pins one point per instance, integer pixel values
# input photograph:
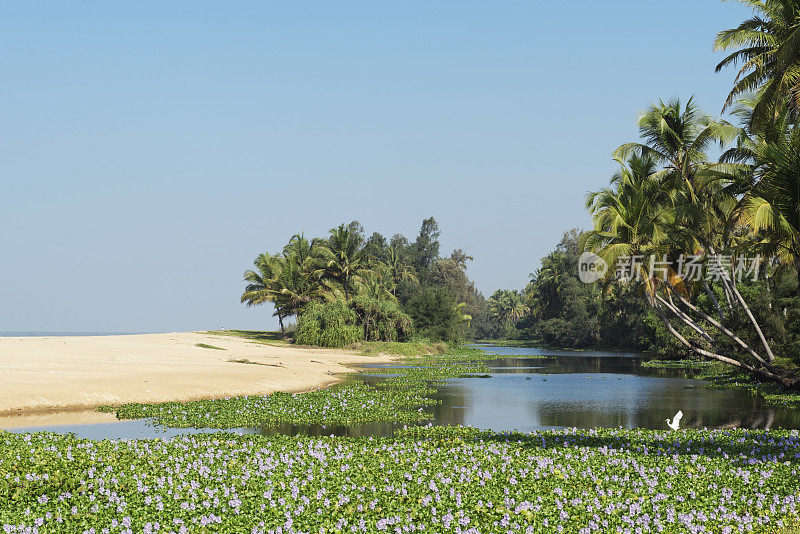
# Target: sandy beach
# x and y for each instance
(41, 374)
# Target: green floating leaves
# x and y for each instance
(438, 479)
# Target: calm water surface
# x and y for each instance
(534, 389)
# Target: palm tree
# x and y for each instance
(290, 279)
(767, 51)
(263, 286)
(397, 270)
(372, 286)
(771, 205)
(542, 294)
(637, 217)
(677, 137)
(507, 306)
(632, 218)
(343, 260)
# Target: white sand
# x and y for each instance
(39, 374)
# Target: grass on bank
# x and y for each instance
(207, 346)
(678, 364)
(265, 337)
(407, 349)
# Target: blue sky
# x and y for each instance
(150, 150)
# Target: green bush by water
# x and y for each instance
(332, 324)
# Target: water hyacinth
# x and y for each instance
(352, 404)
(398, 398)
(440, 479)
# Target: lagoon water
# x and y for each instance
(536, 389)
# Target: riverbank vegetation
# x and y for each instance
(398, 398)
(702, 253)
(348, 288)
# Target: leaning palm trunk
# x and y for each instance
(797, 270)
(726, 282)
(685, 318)
(720, 327)
(765, 370)
(713, 298)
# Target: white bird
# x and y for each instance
(676, 421)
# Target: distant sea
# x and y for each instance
(4, 333)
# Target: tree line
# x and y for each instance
(670, 201)
(347, 287)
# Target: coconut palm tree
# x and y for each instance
(632, 218)
(396, 270)
(263, 285)
(771, 205)
(677, 137)
(507, 305)
(373, 287)
(290, 279)
(636, 217)
(767, 52)
(342, 259)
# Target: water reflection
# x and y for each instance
(560, 389)
(534, 390)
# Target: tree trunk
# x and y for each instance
(685, 318)
(713, 298)
(797, 270)
(720, 327)
(280, 321)
(782, 380)
(726, 280)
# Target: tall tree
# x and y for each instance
(396, 269)
(767, 52)
(289, 279)
(508, 306)
(641, 215)
(376, 248)
(426, 247)
(343, 259)
(262, 285)
(678, 138)
(771, 203)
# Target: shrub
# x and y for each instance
(332, 324)
(381, 320)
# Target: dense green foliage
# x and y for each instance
(434, 314)
(436, 479)
(767, 52)
(382, 320)
(332, 324)
(669, 206)
(395, 287)
(561, 311)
